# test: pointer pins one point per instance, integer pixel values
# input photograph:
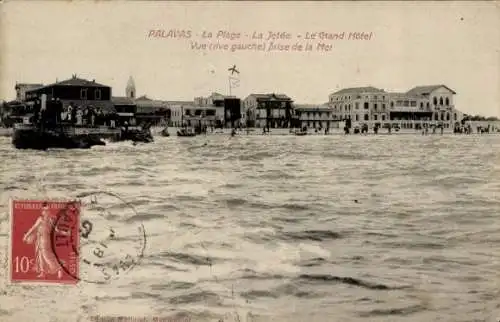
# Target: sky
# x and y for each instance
(417, 43)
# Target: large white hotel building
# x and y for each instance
(369, 105)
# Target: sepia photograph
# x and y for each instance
(249, 161)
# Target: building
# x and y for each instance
(229, 109)
(152, 111)
(422, 104)
(77, 92)
(268, 110)
(22, 88)
(142, 109)
(125, 109)
(181, 112)
(315, 116)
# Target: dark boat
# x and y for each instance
(301, 131)
(186, 132)
(135, 134)
(29, 136)
(164, 132)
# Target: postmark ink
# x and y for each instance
(110, 246)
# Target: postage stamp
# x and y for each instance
(112, 237)
(35, 232)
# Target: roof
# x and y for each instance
(270, 96)
(74, 81)
(150, 106)
(122, 100)
(152, 103)
(143, 98)
(29, 85)
(80, 82)
(421, 90)
(180, 102)
(365, 89)
(148, 109)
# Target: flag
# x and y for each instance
(234, 82)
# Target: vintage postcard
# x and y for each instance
(249, 161)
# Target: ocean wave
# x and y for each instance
(326, 278)
(403, 311)
(188, 258)
(314, 235)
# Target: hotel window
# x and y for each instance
(392, 104)
(375, 106)
(435, 100)
(428, 105)
(356, 105)
(375, 117)
(383, 98)
(367, 117)
(455, 116)
(97, 94)
(383, 106)
(83, 94)
(413, 103)
(447, 101)
(383, 117)
(440, 101)
(366, 105)
(421, 105)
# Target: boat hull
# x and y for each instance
(43, 140)
(139, 136)
(185, 134)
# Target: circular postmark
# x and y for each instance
(111, 240)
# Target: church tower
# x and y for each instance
(130, 90)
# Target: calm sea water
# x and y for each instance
(258, 228)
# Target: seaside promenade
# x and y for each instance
(7, 132)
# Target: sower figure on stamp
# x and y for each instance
(45, 260)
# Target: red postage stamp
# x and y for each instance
(40, 230)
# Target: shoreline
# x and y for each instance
(7, 132)
(333, 132)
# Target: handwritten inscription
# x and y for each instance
(275, 41)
